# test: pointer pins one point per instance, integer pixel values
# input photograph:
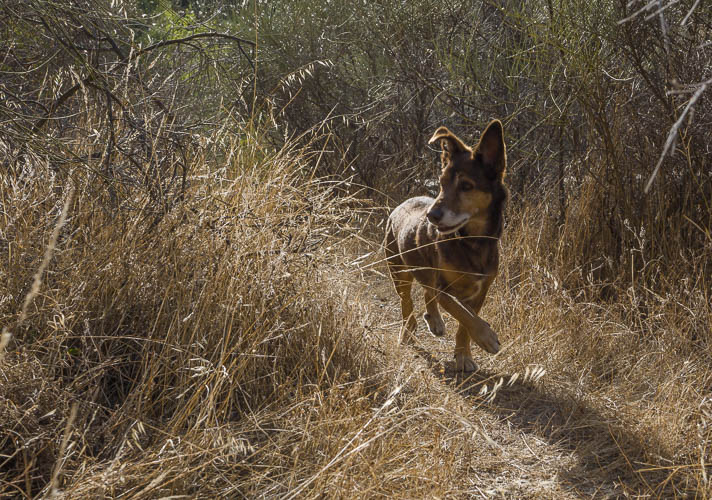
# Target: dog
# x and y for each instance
(450, 244)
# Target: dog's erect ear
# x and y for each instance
(492, 148)
(450, 143)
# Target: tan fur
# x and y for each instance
(450, 244)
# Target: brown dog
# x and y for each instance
(450, 244)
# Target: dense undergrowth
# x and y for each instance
(192, 293)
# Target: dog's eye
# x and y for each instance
(466, 186)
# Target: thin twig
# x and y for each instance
(674, 129)
(694, 6)
(635, 14)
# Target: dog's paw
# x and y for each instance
(436, 325)
(493, 346)
(464, 363)
(487, 340)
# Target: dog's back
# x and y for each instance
(402, 229)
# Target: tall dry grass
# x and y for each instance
(169, 331)
(236, 346)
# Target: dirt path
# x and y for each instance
(529, 439)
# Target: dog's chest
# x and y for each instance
(465, 285)
(466, 274)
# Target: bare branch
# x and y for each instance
(694, 6)
(674, 129)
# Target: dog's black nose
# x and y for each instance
(435, 214)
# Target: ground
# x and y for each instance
(526, 438)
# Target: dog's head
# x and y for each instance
(471, 178)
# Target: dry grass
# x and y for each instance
(628, 369)
(239, 346)
(233, 334)
(169, 331)
(199, 314)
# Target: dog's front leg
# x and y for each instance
(432, 317)
(463, 355)
(477, 328)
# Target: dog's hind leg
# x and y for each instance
(432, 317)
(403, 282)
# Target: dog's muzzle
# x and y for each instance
(435, 214)
(445, 221)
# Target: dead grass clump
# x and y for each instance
(176, 324)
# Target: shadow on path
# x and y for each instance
(610, 461)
